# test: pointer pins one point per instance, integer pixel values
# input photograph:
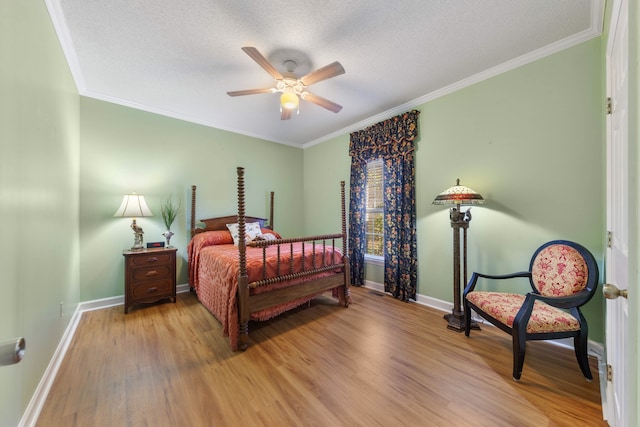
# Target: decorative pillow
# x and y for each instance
(210, 238)
(251, 229)
(270, 232)
(266, 236)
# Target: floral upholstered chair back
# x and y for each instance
(559, 270)
(563, 276)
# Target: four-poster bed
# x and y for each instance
(260, 278)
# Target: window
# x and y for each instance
(374, 228)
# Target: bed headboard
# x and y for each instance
(220, 223)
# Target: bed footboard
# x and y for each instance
(327, 269)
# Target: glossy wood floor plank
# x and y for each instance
(380, 362)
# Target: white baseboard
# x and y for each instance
(30, 416)
(119, 300)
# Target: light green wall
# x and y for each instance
(125, 150)
(531, 141)
(325, 165)
(39, 137)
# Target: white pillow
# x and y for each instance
(251, 229)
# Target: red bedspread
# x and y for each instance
(214, 268)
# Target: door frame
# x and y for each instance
(633, 373)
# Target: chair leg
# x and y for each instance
(580, 345)
(519, 348)
(467, 318)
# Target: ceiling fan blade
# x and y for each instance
(286, 114)
(262, 61)
(326, 72)
(323, 102)
(249, 91)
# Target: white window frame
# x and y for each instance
(371, 258)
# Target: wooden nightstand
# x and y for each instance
(149, 276)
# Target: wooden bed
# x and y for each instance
(260, 279)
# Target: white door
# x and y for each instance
(617, 404)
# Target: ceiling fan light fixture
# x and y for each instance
(291, 86)
(289, 101)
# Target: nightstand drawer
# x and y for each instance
(156, 272)
(158, 288)
(145, 260)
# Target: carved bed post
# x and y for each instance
(243, 278)
(345, 254)
(193, 210)
(271, 212)
(193, 232)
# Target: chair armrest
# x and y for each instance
(475, 276)
(570, 301)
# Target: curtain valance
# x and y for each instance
(389, 138)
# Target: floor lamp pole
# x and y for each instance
(459, 221)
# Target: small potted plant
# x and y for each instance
(169, 211)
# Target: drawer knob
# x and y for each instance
(152, 259)
(151, 273)
(152, 290)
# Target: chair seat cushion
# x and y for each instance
(504, 306)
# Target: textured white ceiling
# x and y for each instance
(179, 58)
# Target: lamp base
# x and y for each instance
(137, 244)
(137, 236)
(456, 322)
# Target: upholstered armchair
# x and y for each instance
(563, 276)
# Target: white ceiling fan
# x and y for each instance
(291, 86)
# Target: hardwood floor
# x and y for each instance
(380, 362)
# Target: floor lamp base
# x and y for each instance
(456, 322)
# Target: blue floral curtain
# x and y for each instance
(391, 140)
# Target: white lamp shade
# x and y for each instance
(133, 206)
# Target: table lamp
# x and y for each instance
(134, 206)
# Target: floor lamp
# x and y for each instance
(457, 196)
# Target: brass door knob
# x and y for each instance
(612, 292)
